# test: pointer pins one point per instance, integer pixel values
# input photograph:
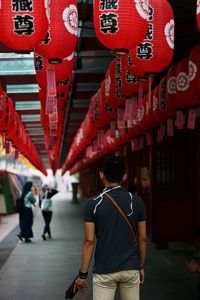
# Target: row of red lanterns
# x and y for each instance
(50, 28)
(152, 55)
(54, 82)
(139, 63)
(178, 89)
(14, 132)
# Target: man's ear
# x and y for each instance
(124, 177)
(101, 175)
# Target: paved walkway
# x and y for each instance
(43, 269)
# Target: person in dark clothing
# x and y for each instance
(26, 213)
(46, 205)
(42, 194)
(119, 258)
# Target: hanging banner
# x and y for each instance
(148, 138)
(141, 142)
(129, 110)
(112, 128)
(53, 120)
(1, 101)
(51, 104)
(170, 127)
(4, 140)
(120, 117)
(191, 118)
(8, 147)
(100, 138)
(88, 151)
(179, 119)
(16, 154)
(161, 133)
(51, 81)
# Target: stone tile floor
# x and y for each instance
(43, 269)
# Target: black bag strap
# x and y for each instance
(130, 225)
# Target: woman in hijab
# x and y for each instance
(26, 215)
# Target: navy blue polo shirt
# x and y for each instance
(115, 248)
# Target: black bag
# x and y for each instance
(19, 205)
(69, 294)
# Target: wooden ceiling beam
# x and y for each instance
(18, 79)
(24, 97)
(89, 77)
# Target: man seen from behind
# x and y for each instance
(119, 258)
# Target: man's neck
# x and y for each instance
(111, 184)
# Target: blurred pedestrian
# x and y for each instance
(26, 213)
(42, 194)
(47, 210)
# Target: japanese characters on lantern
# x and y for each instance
(23, 23)
(155, 52)
(61, 37)
(120, 24)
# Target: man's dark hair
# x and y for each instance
(113, 168)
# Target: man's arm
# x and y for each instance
(193, 266)
(87, 252)
(88, 246)
(141, 227)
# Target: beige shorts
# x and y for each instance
(105, 285)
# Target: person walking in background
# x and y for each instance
(46, 205)
(119, 258)
(42, 194)
(26, 213)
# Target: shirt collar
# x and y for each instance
(110, 188)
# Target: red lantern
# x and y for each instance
(165, 106)
(198, 14)
(94, 112)
(171, 91)
(111, 143)
(17, 136)
(106, 112)
(81, 140)
(155, 53)
(125, 134)
(159, 103)
(141, 124)
(18, 141)
(183, 90)
(194, 75)
(3, 97)
(136, 127)
(62, 34)
(24, 24)
(122, 24)
(130, 84)
(112, 85)
(62, 70)
(8, 121)
(12, 133)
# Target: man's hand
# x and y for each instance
(80, 284)
(142, 276)
(193, 266)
